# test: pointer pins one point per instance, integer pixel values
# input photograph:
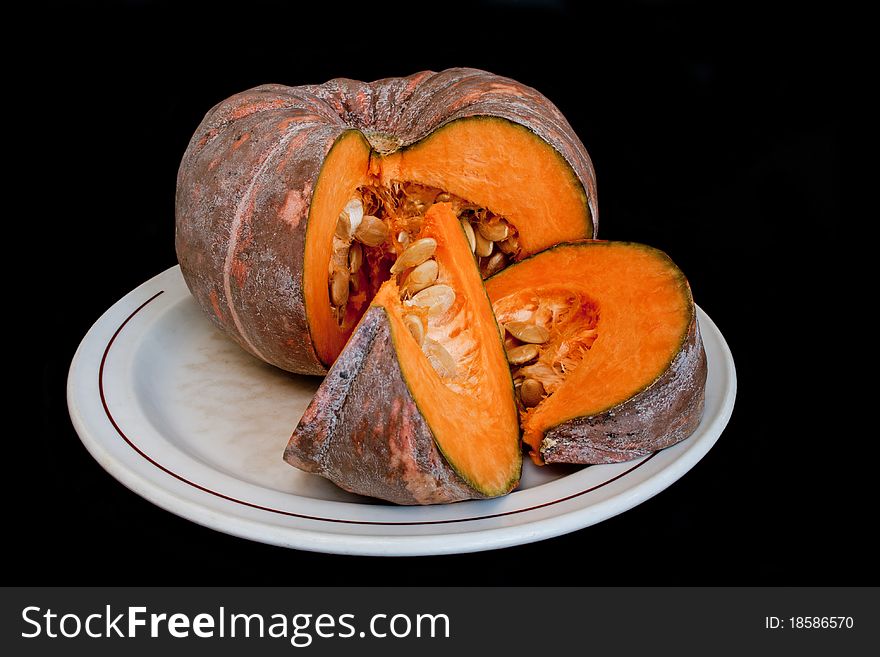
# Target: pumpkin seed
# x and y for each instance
(415, 254)
(416, 328)
(510, 342)
(355, 258)
(422, 276)
(494, 232)
(493, 264)
(469, 233)
(440, 359)
(437, 299)
(343, 226)
(528, 332)
(531, 392)
(339, 286)
(339, 255)
(354, 210)
(371, 231)
(539, 370)
(509, 246)
(522, 354)
(442, 197)
(483, 247)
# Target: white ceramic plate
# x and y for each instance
(183, 417)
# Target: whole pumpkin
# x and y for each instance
(270, 171)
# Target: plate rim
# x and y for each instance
(369, 544)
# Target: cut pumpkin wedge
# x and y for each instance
(617, 369)
(419, 407)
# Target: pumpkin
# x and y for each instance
(426, 240)
(605, 351)
(293, 203)
(419, 406)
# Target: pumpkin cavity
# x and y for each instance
(548, 332)
(382, 233)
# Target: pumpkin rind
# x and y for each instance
(243, 194)
(246, 181)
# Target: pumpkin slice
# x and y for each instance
(419, 407)
(274, 188)
(605, 351)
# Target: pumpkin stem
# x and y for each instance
(383, 143)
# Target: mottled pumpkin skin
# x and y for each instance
(245, 186)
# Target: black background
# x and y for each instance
(714, 133)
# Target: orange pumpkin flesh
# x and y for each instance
(488, 162)
(624, 368)
(503, 166)
(438, 436)
(344, 170)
